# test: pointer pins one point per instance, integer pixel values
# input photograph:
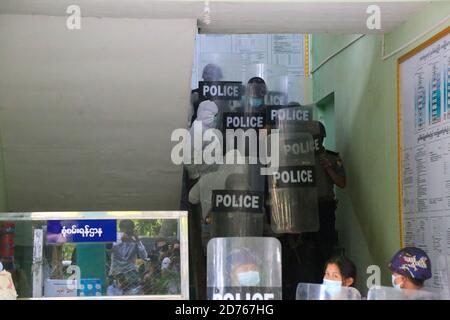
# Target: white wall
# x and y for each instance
(86, 115)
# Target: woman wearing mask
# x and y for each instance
(410, 268)
(340, 272)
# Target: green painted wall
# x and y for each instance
(364, 89)
(325, 114)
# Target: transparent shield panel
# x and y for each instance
(313, 291)
(293, 187)
(246, 268)
(229, 67)
(216, 180)
(293, 115)
(106, 257)
(220, 84)
(390, 293)
(275, 83)
(232, 198)
(238, 209)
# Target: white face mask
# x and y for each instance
(395, 285)
(332, 286)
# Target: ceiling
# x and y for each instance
(236, 16)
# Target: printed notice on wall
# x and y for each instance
(425, 154)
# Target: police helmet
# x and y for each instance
(212, 72)
(323, 132)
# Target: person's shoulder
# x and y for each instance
(334, 156)
(333, 153)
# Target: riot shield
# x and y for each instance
(221, 75)
(238, 209)
(390, 293)
(293, 187)
(233, 199)
(273, 88)
(314, 291)
(293, 115)
(244, 269)
(215, 180)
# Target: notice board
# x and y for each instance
(423, 110)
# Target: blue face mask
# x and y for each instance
(332, 286)
(395, 285)
(249, 278)
(256, 102)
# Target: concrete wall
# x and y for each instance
(3, 206)
(364, 87)
(86, 115)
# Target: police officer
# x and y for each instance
(245, 271)
(244, 268)
(330, 172)
(254, 102)
(211, 72)
(256, 92)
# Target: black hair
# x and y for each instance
(256, 80)
(345, 265)
(258, 86)
(126, 225)
(120, 277)
(323, 131)
(416, 282)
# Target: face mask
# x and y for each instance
(249, 278)
(209, 121)
(332, 286)
(1, 266)
(256, 102)
(395, 285)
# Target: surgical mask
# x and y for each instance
(209, 121)
(332, 286)
(249, 278)
(395, 285)
(256, 102)
(1, 266)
